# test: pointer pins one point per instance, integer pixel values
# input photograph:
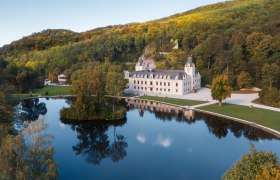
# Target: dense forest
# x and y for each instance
(239, 37)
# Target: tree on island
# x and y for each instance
(256, 165)
(115, 83)
(88, 84)
(220, 88)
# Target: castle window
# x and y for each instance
(134, 82)
(160, 83)
(151, 89)
(151, 83)
(169, 84)
(141, 82)
(176, 84)
(160, 89)
(156, 83)
(168, 90)
(164, 90)
(134, 87)
(164, 84)
(145, 82)
(137, 82)
(156, 89)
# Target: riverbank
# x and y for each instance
(253, 115)
(180, 102)
(47, 91)
(268, 120)
(261, 118)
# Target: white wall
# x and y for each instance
(156, 87)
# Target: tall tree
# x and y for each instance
(29, 155)
(90, 82)
(115, 83)
(220, 88)
(270, 75)
(244, 80)
(251, 165)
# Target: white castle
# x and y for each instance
(146, 79)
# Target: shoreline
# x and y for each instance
(253, 124)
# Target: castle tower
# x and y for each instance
(190, 67)
(190, 70)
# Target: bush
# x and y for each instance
(270, 97)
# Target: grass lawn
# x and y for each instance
(181, 102)
(52, 91)
(263, 117)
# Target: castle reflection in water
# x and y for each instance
(161, 108)
(218, 126)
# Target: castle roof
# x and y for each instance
(159, 74)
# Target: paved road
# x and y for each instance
(204, 94)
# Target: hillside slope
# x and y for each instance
(235, 36)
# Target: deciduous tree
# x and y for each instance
(220, 88)
(115, 83)
(253, 165)
(244, 80)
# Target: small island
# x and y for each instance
(90, 85)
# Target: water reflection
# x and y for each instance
(162, 111)
(31, 109)
(221, 126)
(94, 143)
(216, 125)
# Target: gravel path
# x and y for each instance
(204, 94)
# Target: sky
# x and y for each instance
(23, 17)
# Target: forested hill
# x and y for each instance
(234, 36)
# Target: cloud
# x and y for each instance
(61, 125)
(164, 142)
(141, 138)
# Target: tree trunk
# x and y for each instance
(113, 104)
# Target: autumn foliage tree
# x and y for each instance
(28, 155)
(256, 165)
(220, 88)
(115, 83)
(244, 80)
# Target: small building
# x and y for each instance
(62, 79)
(146, 79)
(47, 82)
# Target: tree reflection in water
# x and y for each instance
(217, 126)
(95, 145)
(31, 109)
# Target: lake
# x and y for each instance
(157, 141)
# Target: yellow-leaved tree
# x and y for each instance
(220, 88)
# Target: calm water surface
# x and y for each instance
(156, 142)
